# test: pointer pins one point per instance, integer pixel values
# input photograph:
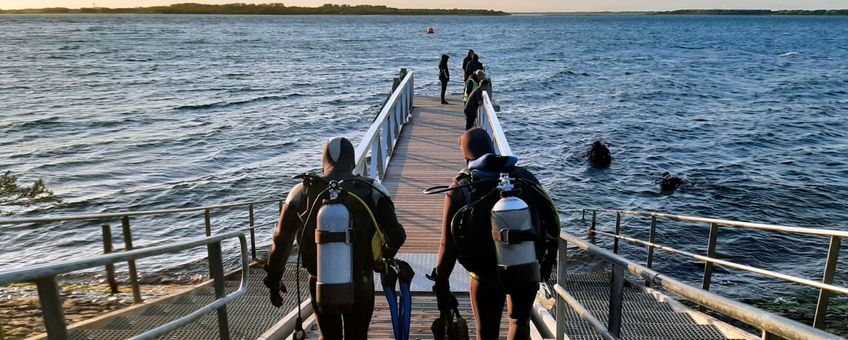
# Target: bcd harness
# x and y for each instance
(522, 223)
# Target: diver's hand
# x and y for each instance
(275, 287)
(445, 300)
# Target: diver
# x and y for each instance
(475, 100)
(599, 155)
(669, 182)
(473, 234)
(369, 212)
(444, 76)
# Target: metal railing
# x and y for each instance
(769, 323)
(106, 232)
(377, 147)
(44, 277)
(487, 119)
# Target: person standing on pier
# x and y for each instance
(465, 65)
(468, 235)
(375, 214)
(444, 76)
(475, 100)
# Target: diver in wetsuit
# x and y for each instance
(444, 76)
(338, 159)
(488, 289)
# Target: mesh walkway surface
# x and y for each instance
(643, 316)
(250, 315)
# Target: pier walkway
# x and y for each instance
(412, 145)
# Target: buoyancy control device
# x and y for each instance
(514, 236)
(334, 243)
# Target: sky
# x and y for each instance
(503, 5)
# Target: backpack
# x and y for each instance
(471, 224)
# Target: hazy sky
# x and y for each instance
(504, 5)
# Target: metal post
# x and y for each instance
(617, 232)
(51, 308)
(829, 270)
(708, 266)
(583, 216)
(616, 301)
(653, 236)
(592, 228)
(560, 302)
(651, 239)
(136, 290)
(216, 271)
(207, 219)
(252, 232)
(110, 268)
(769, 336)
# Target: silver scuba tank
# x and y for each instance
(513, 232)
(334, 243)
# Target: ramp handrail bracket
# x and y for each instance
(382, 136)
(51, 305)
(487, 119)
(769, 323)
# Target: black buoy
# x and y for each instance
(669, 183)
(599, 155)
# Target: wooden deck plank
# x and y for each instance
(427, 154)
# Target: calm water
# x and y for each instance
(148, 112)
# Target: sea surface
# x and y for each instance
(133, 112)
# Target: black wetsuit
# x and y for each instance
(487, 295)
(295, 220)
(471, 107)
(444, 77)
(473, 66)
(465, 68)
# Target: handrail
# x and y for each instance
(130, 213)
(768, 322)
(825, 286)
(487, 119)
(381, 138)
(731, 223)
(51, 305)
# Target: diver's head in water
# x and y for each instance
(475, 143)
(339, 157)
(599, 155)
(669, 182)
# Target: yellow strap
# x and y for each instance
(377, 240)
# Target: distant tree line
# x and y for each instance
(755, 12)
(258, 9)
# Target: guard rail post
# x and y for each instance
(652, 237)
(51, 308)
(708, 266)
(107, 248)
(617, 232)
(827, 277)
(252, 232)
(616, 300)
(133, 272)
(592, 227)
(560, 301)
(216, 271)
(207, 221)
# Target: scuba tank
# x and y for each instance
(333, 238)
(513, 232)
